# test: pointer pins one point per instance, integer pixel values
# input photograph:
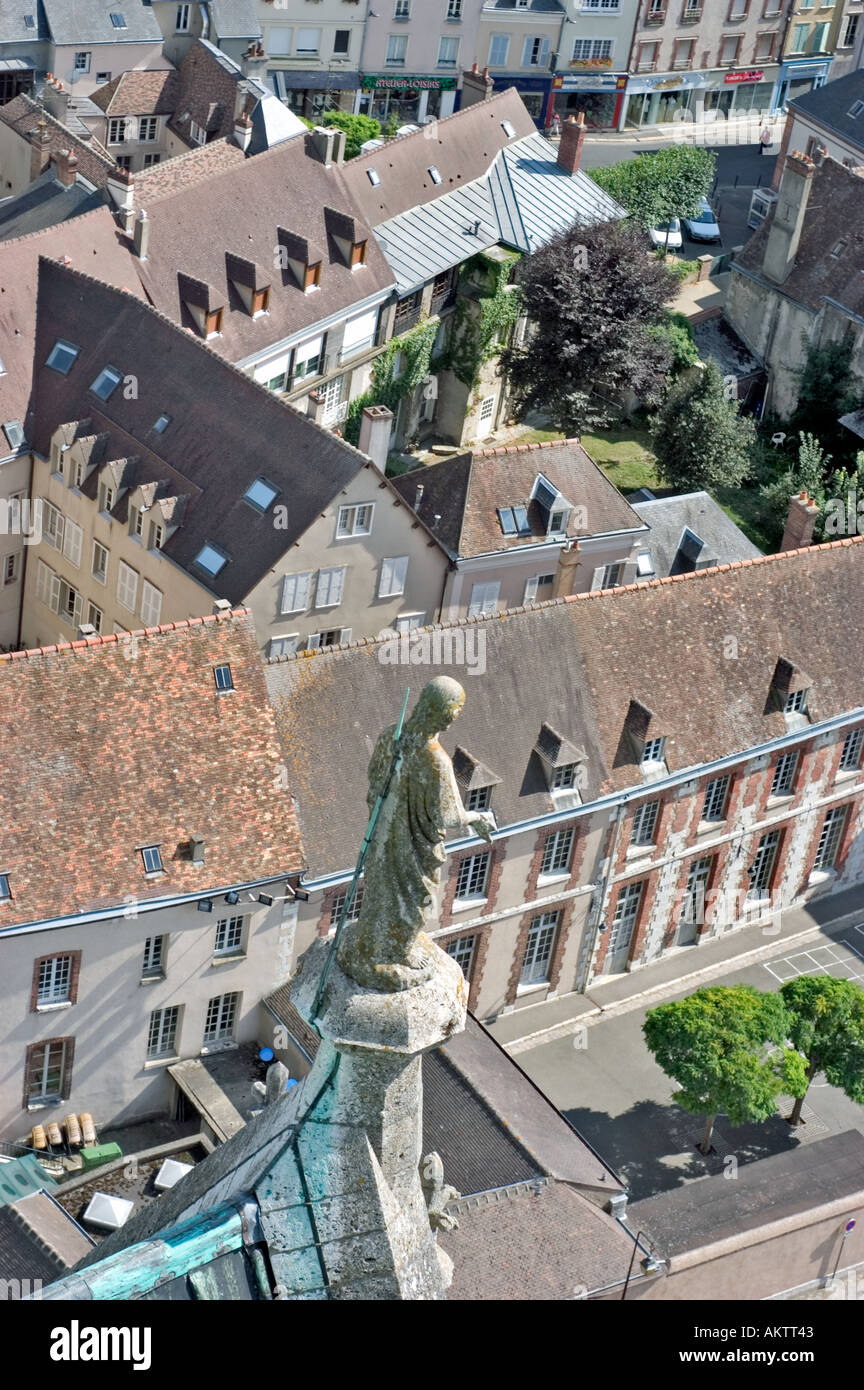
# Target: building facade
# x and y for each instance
(313, 56)
(592, 66)
(412, 56)
(517, 42)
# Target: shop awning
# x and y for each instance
(313, 81)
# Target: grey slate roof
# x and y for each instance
(44, 204)
(235, 19)
(78, 22)
(830, 106)
(38, 1239)
(668, 517)
(13, 28)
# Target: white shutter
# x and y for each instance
(314, 642)
(295, 593)
(527, 49)
(77, 609)
(544, 53)
(151, 604)
(127, 586)
(484, 600)
(598, 576)
(43, 582)
(360, 330)
(393, 574)
(283, 646)
(54, 599)
(72, 543)
(530, 590)
(277, 366)
(345, 634)
(328, 593)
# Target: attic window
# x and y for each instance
(839, 250)
(855, 110)
(2, 367)
(106, 382)
(29, 22)
(14, 433)
(374, 177)
(162, 424)
(261, 494)
(654, 751)
(514, 521)
(61, 356)
(434, 174)
(312, 276)
(358, 254)
(644, 564)
(118, 20)
(564, 777)
(478, 799)
(211, 560)
(796, 702)
(213, 323)
(5, 891)
(152, 857)
(509, 129)
(260, 300)
(223, 678)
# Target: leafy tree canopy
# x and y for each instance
(653, 188)
(828, 1028)
(699, 437)
(827, 390)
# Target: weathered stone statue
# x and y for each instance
(387, 948)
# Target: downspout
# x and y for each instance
(599, 912)
(25, 549)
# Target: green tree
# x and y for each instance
(675, 331)
(827, 390)
(358, 129)
(592, 295)
(653, 188)
(716, 1044)
(828, 1028)
(700, 439)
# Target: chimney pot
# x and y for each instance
(375, 428)
(571, 143)
(66, 163)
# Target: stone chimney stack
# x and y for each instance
(121, 190)
(800, 523)
(67, 165)
(40, 152)
(375, 429)
(142, 235)
(572, 140)
(569, 560)
(476, 86)
(243, 131)
(328, 144)
(254, 61)
(784, 237)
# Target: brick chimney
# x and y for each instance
(121, 190)
(781, 248)
(572, 140)
(253, 62)
(476, 86)
(800, 522)
(40, 153)
(67, 164)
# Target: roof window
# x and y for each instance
(514, 521)
(223, 678)
(374, 177)
(434, 174)
(14, 433)
(261, 494)
(211, 559)
(117, 19)
(162, 424)
(61, 356)
(509, 129)
(152, 857)
(106, 383)
(5, 891)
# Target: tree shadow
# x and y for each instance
(653, 1147)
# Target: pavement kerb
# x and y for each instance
(635, 1001)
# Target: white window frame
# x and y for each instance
(42, 1095)
(462, 949)
(448, 43)
(394, 573)
(162, 1029)
(279, 646)
(830, 838)
(557, 852)
(397, 50)
(231, 936)
(715, 805)
(81, 61)
(472, 878)
(352, 520)
(539, 949)
(484, 599)
(57, 987)
(644, 824)
(151, 604)
(305, 50)
(148, 129)
(181, 19)
(127, 586)
(221, 1018)
(785, 773)
(295, 591)
(153, 964)
(330, 587)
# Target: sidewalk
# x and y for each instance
(687, 968)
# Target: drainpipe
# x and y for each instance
(600, 910)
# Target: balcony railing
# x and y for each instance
(689, 16)
(646, 65)
(655, 17)
(444, 299)
(407, 314)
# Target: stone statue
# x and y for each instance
(387, 948)
(437, 1193)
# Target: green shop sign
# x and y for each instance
(369, 82)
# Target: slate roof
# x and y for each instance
(226, 430)
(12, 26)
(45, 204)
(786, 1185)
(535, 6)
(830, 106)
(468, 490)
(38, 1239)
(110, 747)
(235, 19)
(139, 93)
(722, 540)
(77, 22)
(597, 652)
(288, 188)
(834, 212)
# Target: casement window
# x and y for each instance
(472, 877)
(332, 637)
(45, 578)
(820, 38)
(606, 6)
(222, 677)
(607, 577)
(461, 948)
(538, 949)
(221, 1017)
(162, 1033)
(155, 536)
(484, 600)
(850, 758)
(331, 397)
(151, 604)
(716, 796)
(761, 871)
(535, 52)
(393, 575)
(148, 128)
(626, 914)
(646, 58)
(796, 703)
(355, 521)
(136, 522)
(11, 566)
(850, 33)
(402, 9)
(338, 906)
(454, 9)
(107, 498)
(283, 646)
(538, 589)
(82, 62)
(197, 133)
(764, 49)
(644, 822)
(52, 525)
(800, 35)
(565, 777)
(499, 50)
(729, 50)
(151, 159)
(79, 473)
(213, 323)
(784, 774)
(397, 49)
(151, 856)
(48, 1072)
(127, 586)
(96, 618)
(586, 49)
(695, 889)
(738, 9)
(329, 588)
(448, 52)
(55, 980)
(557, 851)
(70, 604)
(478, 799)
(117, 130)
(295, 593)
(341, 43)
(153, 963)
(229, 936)
(830, 837)
(181, 19)
(409, 622)
(684, 53)
(358, 254)
(654, 750)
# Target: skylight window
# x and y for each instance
(29, 22)
(514, 521)
(374, 177)
(14, 433)
(223, 678)
(118, 20)
(106, 382)
(211, 559)
(855, 111)
(261, 494)
(162, 424)
(152, 856)
(61, 356)
(644, 564)
(509, 129)
(434, 174)
(2, 367)
(838, 250)
(5, 891)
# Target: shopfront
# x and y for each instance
(310, 94)
(535, 92)
(798, 76)
(700, 97)
(410, 98)
(599, 96)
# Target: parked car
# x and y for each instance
(667, 235)
(703, 227)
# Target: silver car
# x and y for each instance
(703, 227)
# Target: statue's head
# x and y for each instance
(440, 702)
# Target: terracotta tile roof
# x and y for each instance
(24, 115)
(139, 94)
(113, 744)
(225, 429)
(577, 664)
(835, 212)
(186, 170)
(467, 494)
(462, 147)
(195, 227)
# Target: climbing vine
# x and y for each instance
(484, 317)
(414, 351)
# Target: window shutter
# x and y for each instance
(598, 577)
(314, 642)
(151, 605)
(54, 601)
(345, 634)
(527, 49)
(72, 543)
(530, 591)
(295, 593)
(329, 589)
(544, 53)
(337, 584)
(77, 609)
(43, 582)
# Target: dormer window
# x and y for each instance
(476, 782)
(312, 276)
(106, 383)
(107, 498)
(654, 751)
(213, 323)
(564, 778)
(136, 522)
(79, 472)
(796, 702)
(478, 799)
(260, 301)
(358, 254)
(554, 509)
(156, 537)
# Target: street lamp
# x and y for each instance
(649, 1265)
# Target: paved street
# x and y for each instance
(609, 1087)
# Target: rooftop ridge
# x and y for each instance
(592, 596)
(400, 139)
(55, 227)
(49, 119)
(523, 448)
(212, 174)
(113, 638)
